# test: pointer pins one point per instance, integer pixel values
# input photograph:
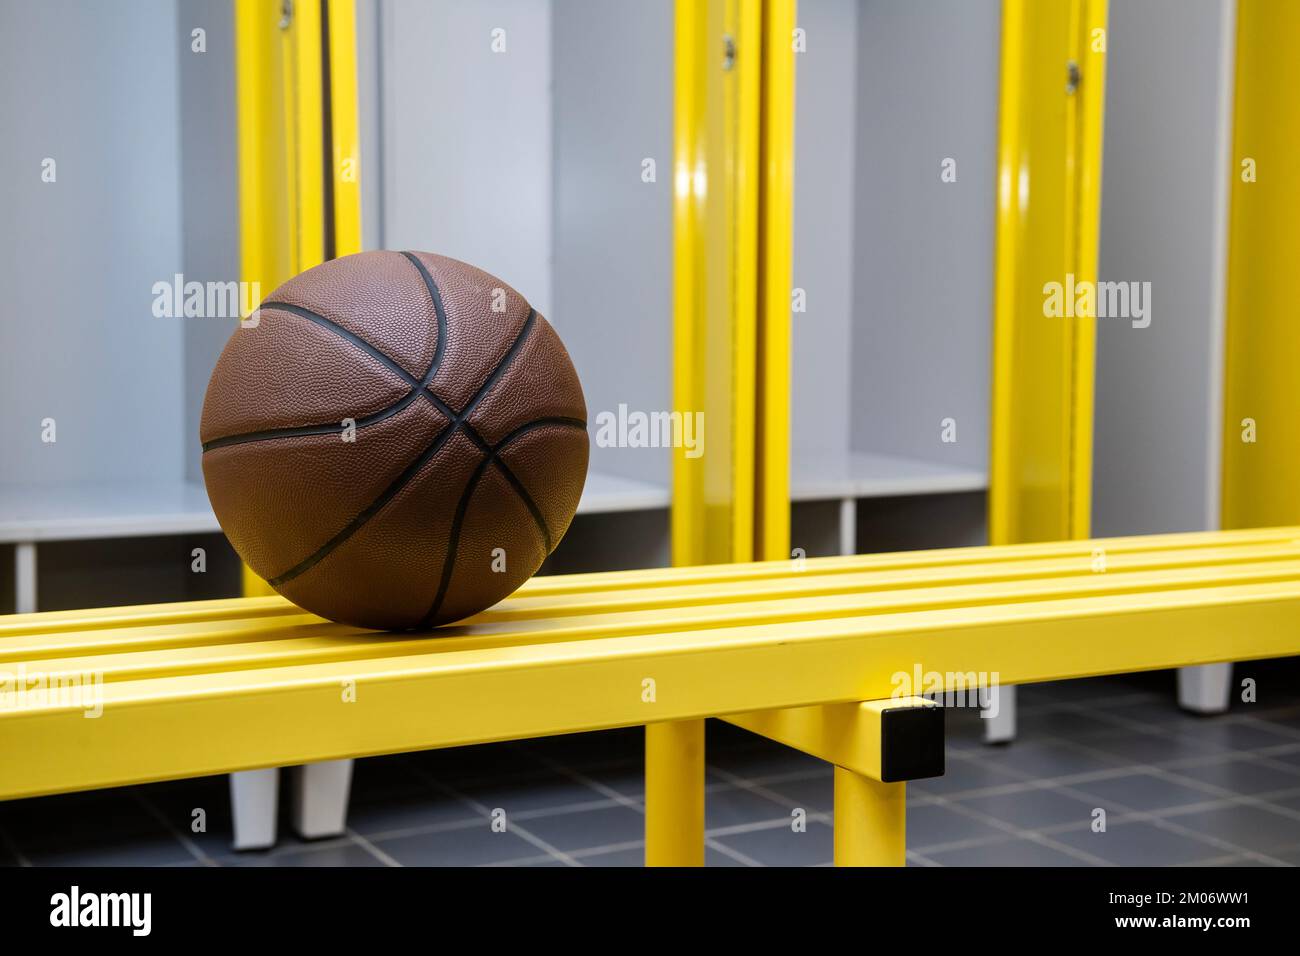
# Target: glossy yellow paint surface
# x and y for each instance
(345, 137)
(210, 687)
(847, 735)
(1048, 211)
(674, 780)
(870, 821)
(715, 222)
(1261, 477)
(265, 202)
(775, 263)
(733, 198)
(305, 125)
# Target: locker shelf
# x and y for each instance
(863, 475)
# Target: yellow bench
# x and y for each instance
(222, 686)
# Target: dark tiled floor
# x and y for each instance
(1171, 789)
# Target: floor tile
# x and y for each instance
(1042, 759)
(627, 780)
(590, 828)
(1249, 827)
(467, 847)
(178, 804)
(1290, 856)
(935, 825)
(1246, 777)
(1140, 792)
(1290, 802)
(1162, 712)
(1032, 809)
(158, 848)
(1286, 718)
(628, 856)
(532, 793)
(1069, 723)
(814, 793)
(72, 819)
(771, 759)
(1007, 853)
(1132, 748)
(1289, 757)
(781, 846)
(98, 828)
(734, 805)
(961, 775)
(370, 814)
(1138, 844)
(1238, 735)
(345, 854)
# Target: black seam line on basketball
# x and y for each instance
(519, 487)
(462, 506)
(505, 363)
(368, 512)
(435, 295)
(520, 490)
(527, 499)
(453, 542)
(301, 430)
(451, 428)
(441, 406)
(418, 387)
(539, 423)
(340, 331)
(511, 477)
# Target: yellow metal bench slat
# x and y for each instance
(1174, 547)
(721, 604)
(933, 558)
(160, 651)
(217, 686)
(215, 722)
(681, 586)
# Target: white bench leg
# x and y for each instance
(848, 526)
(1206, 689)
(320, 798)
(25, 577)
(1000, 727)
(253, 797)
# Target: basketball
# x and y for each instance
(394, 440)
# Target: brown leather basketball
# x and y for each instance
(398, 442)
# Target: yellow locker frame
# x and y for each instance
(735, 505)
(733, 135)
(299, 150)
(1047, 221)
(1261, 427)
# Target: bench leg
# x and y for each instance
(253, 797)
(25, 577)
(320, 798)
(1206, 689)
(674, 793)
(1001, 728)
(870, 821)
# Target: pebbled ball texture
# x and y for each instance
(395, 429)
